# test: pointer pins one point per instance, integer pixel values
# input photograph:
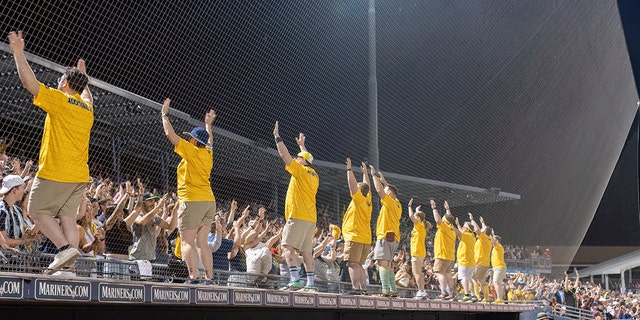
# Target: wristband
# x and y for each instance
(278, 139)
(163, 114)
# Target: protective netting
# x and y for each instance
(515, 111)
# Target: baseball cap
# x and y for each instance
(306, 155)
(149, 196)
(11, 181)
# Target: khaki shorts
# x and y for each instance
(417, 259)
(356, 252)
(498, 275)
(384, 250)
(195, 214)
(55, 198)
(299, 234)
(442, 266)
(480, 273)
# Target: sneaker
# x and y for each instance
(308, 289)
(382, 294)
(474, 299)
(448, 297)
(442, 296)
(293, 285)
(498, 302)
(393, 294)
(466, 298)
(207, 282)
(62, 259)
(191, 281)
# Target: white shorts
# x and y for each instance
(465, 273)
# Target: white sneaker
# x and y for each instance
(61, 259)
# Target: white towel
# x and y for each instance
(144, 269)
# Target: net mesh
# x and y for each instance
(484, 104)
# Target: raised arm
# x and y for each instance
(476, 228)
(458, 230)
(351, 178)
(166, 124)
(209, 117)
(377, 183)
(436, 214)
(413, 219)
(300, 141)
(27, 77)
(282, 148)
(365, 175)
(85, 94)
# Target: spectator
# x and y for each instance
(146, 224)
(63, 171)
(197, 202)
(466, 260)
(444, 246)
(418, 248)
(13, 226)
(499, 268)
(258, 253)
(387, 232)
(356, 229)
(300, 211)
(482, 255)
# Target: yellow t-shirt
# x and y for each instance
(482, 250)
(497, 256)
(193, 172)
(418, 235)
(444, 243)
(389, 218)
(356, 223)
(465, 250)
(64, 150)
(300, 202)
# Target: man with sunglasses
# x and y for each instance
(63, 171)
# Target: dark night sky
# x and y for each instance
(534, 97)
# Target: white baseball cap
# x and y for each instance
(11, 181)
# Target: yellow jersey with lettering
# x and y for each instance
(465, 250)
(444, 243)
(389, 218)
(418, 235)
(356, 223)
(482, 250)
(64, 150)
(497, 256)
(300, 202)
(194, 172)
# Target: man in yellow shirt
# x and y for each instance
(387, 232)
(444, 248)
(466, 259)
(197, 204)
(356, 229)
(299, 212)
(63, 172)
(499, 267)
(482, 253)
